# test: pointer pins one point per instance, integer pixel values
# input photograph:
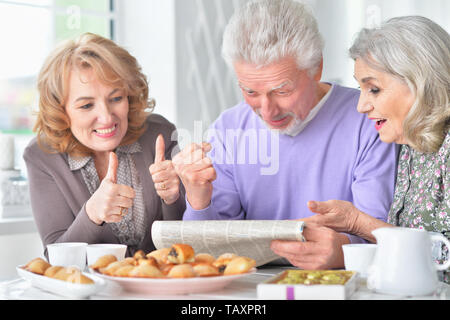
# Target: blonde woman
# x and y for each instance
(99, 168)
(403, 69)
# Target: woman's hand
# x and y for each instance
(111, 201)
(338, 215)
(343, 216)
(167, 183)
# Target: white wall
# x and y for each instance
(18, 249)
(146, 28)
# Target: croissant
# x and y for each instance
(181, 253)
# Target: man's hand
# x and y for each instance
(322, 249)
(197, 173)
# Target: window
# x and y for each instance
(29, 30)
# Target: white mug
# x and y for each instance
(67, 254)
(359, 256)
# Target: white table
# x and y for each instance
(240, 289)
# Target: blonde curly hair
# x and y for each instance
(112, 65)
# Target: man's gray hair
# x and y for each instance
(266, 31)
(417, 51)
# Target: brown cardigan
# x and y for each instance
(58, 195)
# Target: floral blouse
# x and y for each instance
(422, 192)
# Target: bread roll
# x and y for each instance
(181, 253)
(184, 270)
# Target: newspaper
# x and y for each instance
(250, 238)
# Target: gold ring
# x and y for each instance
(163, 186)
(123, 211)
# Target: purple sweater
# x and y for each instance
(265, 176)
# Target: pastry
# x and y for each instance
(65, 273)
(146, 271)
(79, 279)
(139, 254)
(184, 270)
(205, 270)
(222, 261)
(51, 271)
(181, 253)
(150, 261)
(123, 271)
(160, 255)
(165, 268)
(37, 266)
(112, 267)
(239, 265)
(204, 257)
(104, 261)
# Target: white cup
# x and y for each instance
(359, 256)
(67, 254)
(95, 251)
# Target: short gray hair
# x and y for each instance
(263, 32)
(417, 51)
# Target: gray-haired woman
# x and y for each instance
(403, 68)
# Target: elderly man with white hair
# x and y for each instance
(318, 146)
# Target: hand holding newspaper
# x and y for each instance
(250, 238)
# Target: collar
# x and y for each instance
(76, 163)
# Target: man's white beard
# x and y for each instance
(294, 128)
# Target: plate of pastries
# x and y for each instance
(174, 270)
(65, 281)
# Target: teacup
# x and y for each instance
(359, 256)
(95, 251)
(67, 254)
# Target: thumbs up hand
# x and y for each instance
(167, 183)
(111, 200)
